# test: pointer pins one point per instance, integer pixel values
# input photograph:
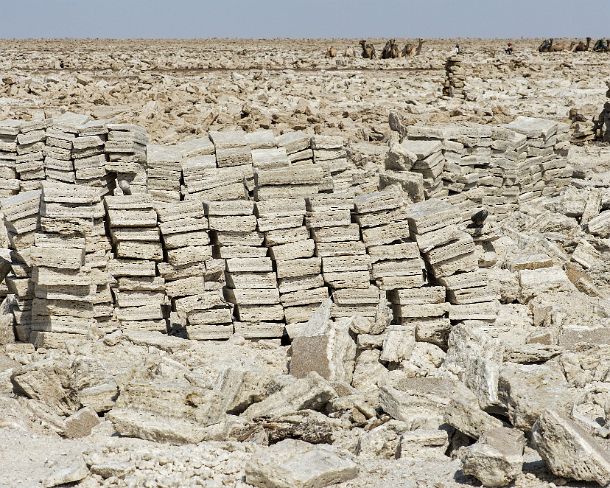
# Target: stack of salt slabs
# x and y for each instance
(251, 283)
(421, 310)
(394, 258)
(202, 179)
(508, 147)
(65, 283)
(126, 155)
(330, 153)
(293, 253)
(90, 163)
(193, 279)
(345, 263)
(164, 172)
(74, 151)
(430, 163)
(233, 150)
(446, 249)
(30, 154)
(139, 293)
(546, 170)
(21, 215)
(297, 145)
(471, 296)
(58, 162)
(9, 183)
(450, 251)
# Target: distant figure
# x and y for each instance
(545, 47)
(456, 49)
(602, 45)
(479, 218)
(368, 50)
(509, 48)
(583, 46)
(124, 186)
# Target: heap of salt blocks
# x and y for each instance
(251, 283)
(126, 155)
(455, 77)
(75, 152)
(139, 292)
(71, 283)
(9, 181)
(21, 215)
(345, 263)
(219, 262)
(451, 262)
(500, 167)
(234, 159)
(297, 145)
(164, 172)
(292, 251)
(29, 162)
(193, 278)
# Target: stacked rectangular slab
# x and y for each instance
(604, 120)
(85, 202)
(90, 156)
(126, 155)
(500, 167)
(65, 281)
(467, 153)
(451, 260)
(430, 163)
(199, 181)
(9, 181)
(301, 287)
(29, 162)
(547, 171)
(74, 152)
(21, 214)
(394, 258)
(297, 145)
(234, 160)
(193, 279)
(330, 153)
(396, 266)
(251, 283)
(58, 162)
(138, 291)
(345, 263)
(164, 172)
(498, 182)
(471, 296)
(296, 181)
(266, 153)
(455, 77)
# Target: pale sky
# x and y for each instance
(303, 18)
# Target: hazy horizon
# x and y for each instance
(300, 19)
